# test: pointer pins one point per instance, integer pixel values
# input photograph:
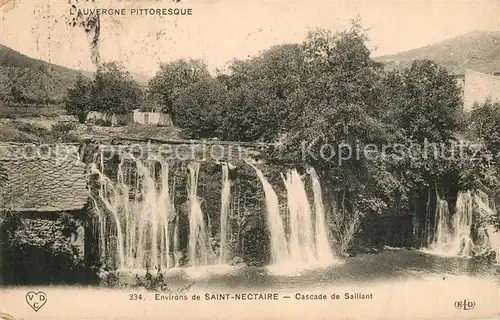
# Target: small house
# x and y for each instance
(152, 118)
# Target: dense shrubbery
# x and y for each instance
(64, 132)
(40, 251)
(156, 282)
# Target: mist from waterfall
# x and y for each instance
(307, 243)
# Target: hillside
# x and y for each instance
(36, 81)
(476, 50)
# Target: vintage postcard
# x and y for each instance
(249, 159)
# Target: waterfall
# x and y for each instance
(442, 233)
(324, 252)
(225, 202)
(101, 217)
(139, 227)
(279, 246)
(307, 243)
(141, 221)
(110, 198)
(199, 246)
(488, 236)
(177, 251)
(462, 221)
(454, 239)
(301, 243)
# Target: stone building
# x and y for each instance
(152, 118)
(478, 87)
(40, 183)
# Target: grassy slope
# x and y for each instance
(38, 79)
(35, 78)
(476, 50)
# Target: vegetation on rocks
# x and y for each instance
(44, 243)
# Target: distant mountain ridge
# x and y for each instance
(476, 50)
(38, 80)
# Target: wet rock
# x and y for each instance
(237, 261)
(486, 256)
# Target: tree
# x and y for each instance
(485, 123)
(78, 98)
(261, 94)
(17, 94)
(426, 102)
(199, 108)
(114, 90)
(174, 77)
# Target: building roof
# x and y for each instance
(43, 182)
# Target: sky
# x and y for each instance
(219, 31)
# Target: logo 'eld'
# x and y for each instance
(36, 299)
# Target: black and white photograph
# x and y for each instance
(249, 159)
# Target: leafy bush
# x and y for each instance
(102, 123)
(157, 282)
(39, 250)
(110, 279)
(64, 132)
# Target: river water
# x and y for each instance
(388, 266)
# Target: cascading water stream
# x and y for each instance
(307, 244)
(301, 243)
(225, 206)
(279, 247)
(200, 252)
(488, 236)
(110, 198)
(442, 236)
(462, 222)
(324, 252)
(454, 239)
(141, 221)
